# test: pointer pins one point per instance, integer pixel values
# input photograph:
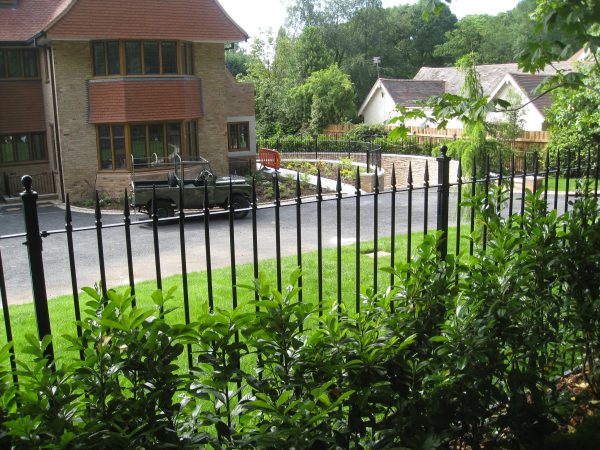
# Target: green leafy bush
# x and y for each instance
(461, 352)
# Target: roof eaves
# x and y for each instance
(241, 30)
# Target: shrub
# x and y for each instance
(458, 352)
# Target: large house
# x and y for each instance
(88, 86)
(502, 81)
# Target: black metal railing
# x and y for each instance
(295, 227)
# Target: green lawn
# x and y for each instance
(62, 313)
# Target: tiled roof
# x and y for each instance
(22, 107)
(192, 20)
(490, 75)
(408, 92)
(143, 99)
(29, 18)
(528, 83)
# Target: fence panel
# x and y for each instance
(346, 225)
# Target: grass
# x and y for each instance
(62, 315)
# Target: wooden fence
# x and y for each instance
(528, 141)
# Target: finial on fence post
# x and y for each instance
(36, 263)
(27, 181)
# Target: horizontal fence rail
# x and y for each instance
(339, 241)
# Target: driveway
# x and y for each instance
(16, 268)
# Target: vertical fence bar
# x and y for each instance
(36, 263)
(597, 171)
(458, 208)
(278, 232)
(375, 231)
(500, 181)
(409, 219)
(7, 324)
(568, 177)
(254, 236)
(319, 242)
(486, 200)
(443, 198)
(546, 178)
(587, 167)
(535, 171)
(425, 198)
(357, 256)
(393, 226)
(472, 223)
(556, 179)
(72, 270)
(523, 187)
(511, 194)
(127, 221)
(98, 216)
(338, 201)
(299, 233)
(234, 295)
(255, 257)
(184, 274)
(155, 239)
(209, 281)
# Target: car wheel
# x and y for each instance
(240, 202)
(163, 209)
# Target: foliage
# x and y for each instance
(457, 352)
(480, 33)
(327, 96)
(574, 117)
(364, 132)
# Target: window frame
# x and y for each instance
(4, 73)
(183, 138)
(30, 151)
(184, 57)
(238, 134)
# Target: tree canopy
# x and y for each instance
(350, 33)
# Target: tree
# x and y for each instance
(326, 97)
(237, 61)
(574, 117)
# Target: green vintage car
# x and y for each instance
(195, 177)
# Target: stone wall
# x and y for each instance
(417, 163)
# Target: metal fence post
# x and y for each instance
(36, 262)
(443, 199)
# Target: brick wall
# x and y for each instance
(209, 65)
(221, 96)
(239, 98)
(73, 67)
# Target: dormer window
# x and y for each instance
(142, 58)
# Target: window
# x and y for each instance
(133, 57)
(106, 57)
(22, 147)
(169, 57)
(238, 136)
(111, 143)
(191, 138)
(187, 59)
(141, 58)
(19, 63)
(145, 140)
(151, 57)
